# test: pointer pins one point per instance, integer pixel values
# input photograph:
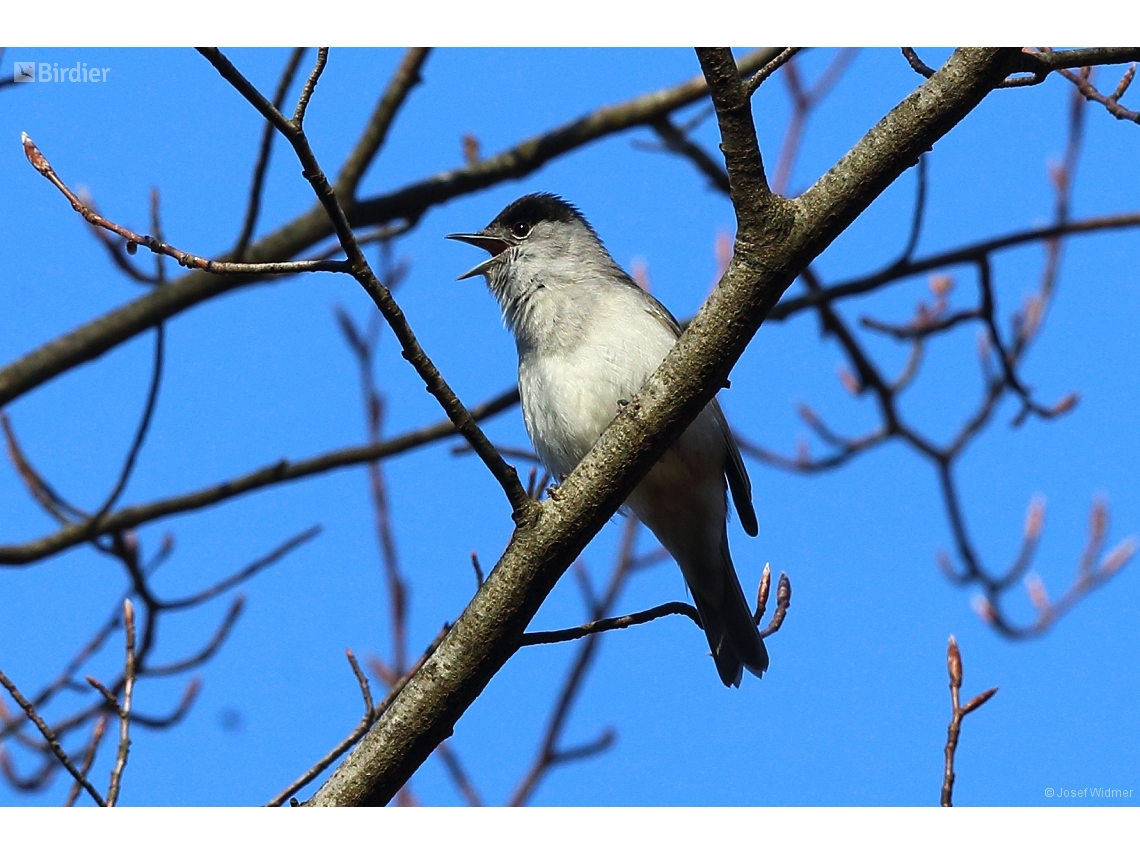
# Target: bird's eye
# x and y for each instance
(520, 229)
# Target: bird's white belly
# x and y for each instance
(567, 403)
(572, 391)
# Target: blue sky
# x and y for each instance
(855, 706)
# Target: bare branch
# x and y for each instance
(371, 714)
(776, 238)
(125, 708)
(245, 573)
(50, 737)
(596, 746)
(954, 666)
(804, 103)
(803, 462)
(34, 782)
(116, 248)
(207, 652)
(88, 759)
(606, 624)
(459, 775)
(143, 427)
(189, 694)
(405, 78)
(968, 254)
(1052, 60)
(549, 753)
(186, 259)
(521, 504)
(253, 208)
(1040, 64)
(267, 476)
(1084, 85)
(771, 68)
(749, 186)
(478, 571)
(310, 87)
(407, 204)
(676, 141)
(41, 491)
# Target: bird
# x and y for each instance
(588, 338)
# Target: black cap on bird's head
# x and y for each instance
(514, 224)
(537, 208)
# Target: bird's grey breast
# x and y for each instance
(601, 347)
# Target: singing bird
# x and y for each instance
(588, 338)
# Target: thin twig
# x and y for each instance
(189, 694)
(245, 573)
(66, 677)
(370, 715)
(41, 491)
(141, 431)
(51, 739)
(32, 783)
(186, 259)
(253, 208)
(88, 759)
(676, 141)
(918, 215)
(771, 68)
(804, 102)
(607, 624)
(310, 86)
(459, 775)
(405, 78)
(207, 652)
(522, 506)
(267, 476)
(549, 753)
(125, 707)
(954, 666)
(116, 249)
(1109, 102)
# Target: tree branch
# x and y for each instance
(607, 624)
(96, 337)
(253, 208)
(768, 258)
(954, 666)
(361, 271)
(50, 737)
(160, 247)
(406, 77)
(268, 476)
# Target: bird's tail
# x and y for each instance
(733, 638)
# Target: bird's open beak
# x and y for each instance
(493, 245)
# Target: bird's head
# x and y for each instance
(542, 245)
(537, 240)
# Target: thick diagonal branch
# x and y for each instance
(491, 627)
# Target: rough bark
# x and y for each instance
(776, 239)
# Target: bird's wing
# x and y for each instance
(738, 482)
(658, 311)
